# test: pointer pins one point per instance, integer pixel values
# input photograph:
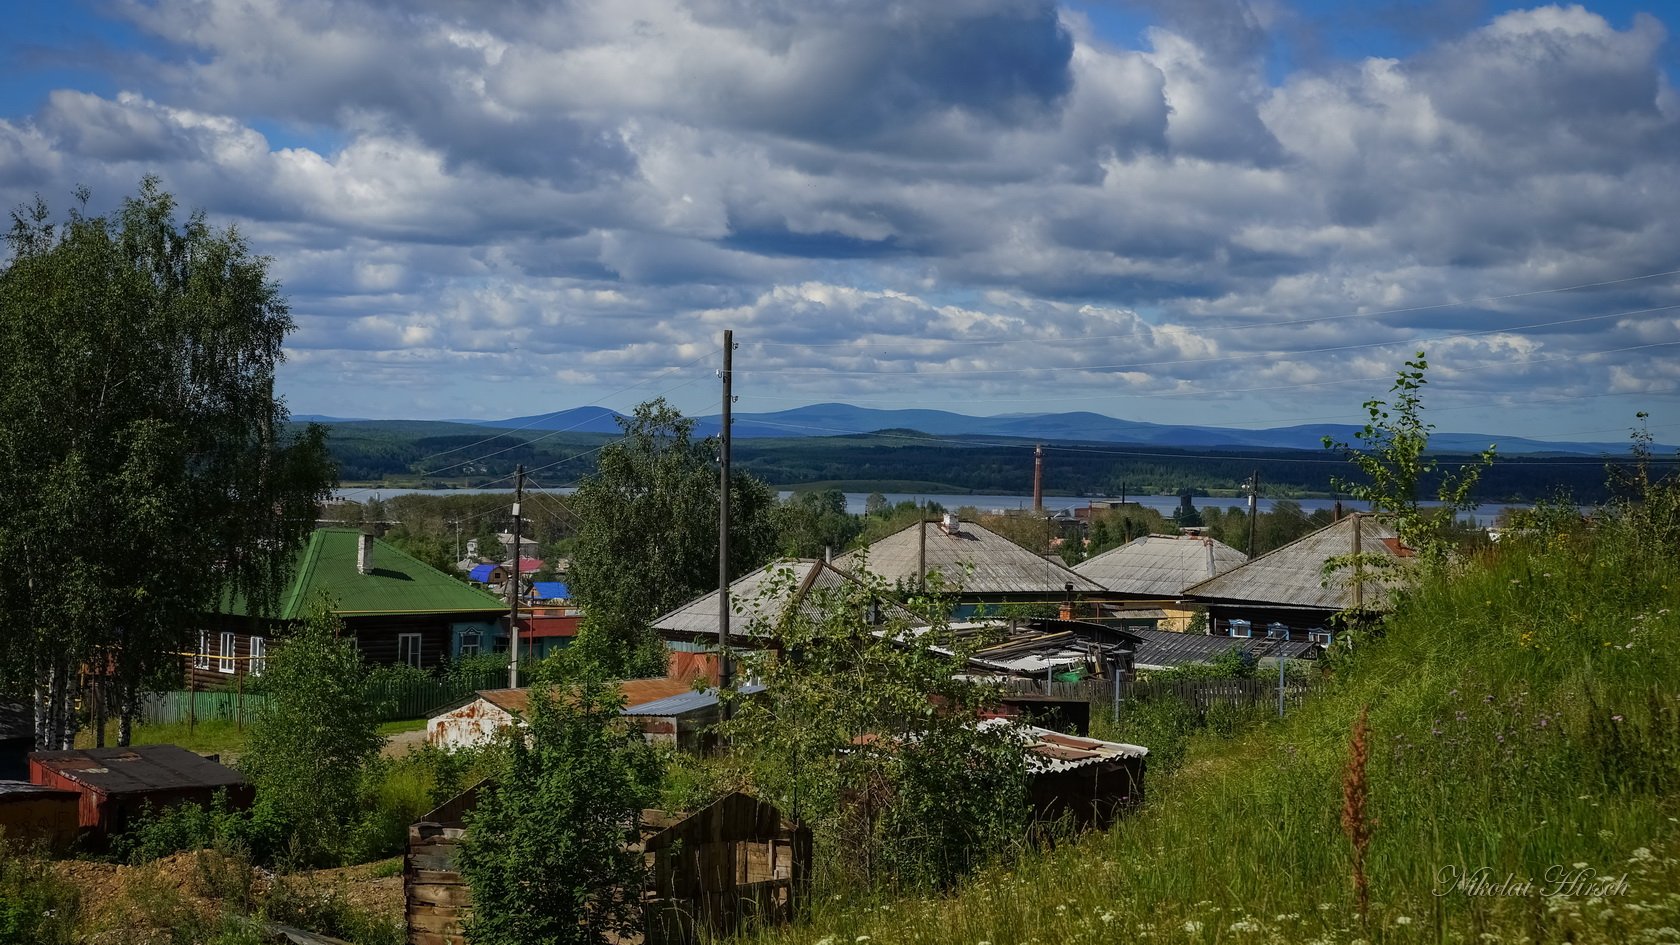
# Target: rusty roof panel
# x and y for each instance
(138, 769)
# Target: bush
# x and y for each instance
(396, 792)
(36, 907)
(158, 833)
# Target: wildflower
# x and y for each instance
(1644, 853)
(1105, 917)
(1402, 920)
(826, 940)
(1615, 718)
(1579, 866)
(1245, 924)
(1192, 926)
(861, 938)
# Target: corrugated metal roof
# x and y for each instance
(1160, 565)
(1166, 649)
(636, 692)
(684, 703)
(763, 600)
(399, 583)
(138, 769)
(1293, 576)
(1050, 751)
(971, 559)
(24, 787)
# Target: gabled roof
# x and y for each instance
(1160, 565)
(764, 599)
(399, 583)
(482, 573)
(1293, 576)
(636, 692)
(999, 566)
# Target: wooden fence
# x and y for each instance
(1200, 694)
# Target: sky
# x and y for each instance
(1182, 211)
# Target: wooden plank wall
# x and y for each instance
(436, 896)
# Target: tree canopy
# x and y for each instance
(647, 541)
(143, 453)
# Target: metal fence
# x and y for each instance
(392, 698)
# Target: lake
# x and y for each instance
(855, 501)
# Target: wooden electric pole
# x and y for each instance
(1253, 508)
(513, 582)
(725, 673)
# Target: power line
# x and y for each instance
(1082, 339)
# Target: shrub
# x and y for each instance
(36, 907)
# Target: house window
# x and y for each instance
(1239, 628)
(259, 656)
(1277, 631)
(471, 641)
(201, 660)
(1321, 636)
(408, 649)
(225, 653)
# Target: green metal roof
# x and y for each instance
(398, 584)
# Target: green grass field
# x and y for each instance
(1523, 718)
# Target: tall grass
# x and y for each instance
(1522, 718)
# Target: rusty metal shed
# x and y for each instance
(115, 783)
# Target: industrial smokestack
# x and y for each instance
(1038, 478)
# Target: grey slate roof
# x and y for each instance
(1293, 576)
(1164, 648)
(999, 566)
(762, 600)
(1160, 565)
(683, 703)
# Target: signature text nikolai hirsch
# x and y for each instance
(1577, 880)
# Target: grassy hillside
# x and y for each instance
(1522, 717)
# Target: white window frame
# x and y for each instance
(259, 656)
(1278, 631)
(1321, 636)
(227, 647)
(472, 642)
(1232, 626)
(201, 660)
(414, 656)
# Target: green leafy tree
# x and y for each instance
(809, 524)
(648, 539)
(1392, 456)
(312, 738)
(145, 459)
(868, 731)
(548, 849)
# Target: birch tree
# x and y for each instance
(146, 466)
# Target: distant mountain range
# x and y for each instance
(845, 419)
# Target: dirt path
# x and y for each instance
(402, 743)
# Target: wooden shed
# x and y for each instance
(709, 870)
(114, 784)
(31, 814)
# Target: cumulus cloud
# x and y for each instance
(977, 203)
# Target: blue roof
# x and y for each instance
(550, 590)
(481, 573)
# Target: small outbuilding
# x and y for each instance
(115, 784)
(1085, 782)
(710, 871)
(17, 740)
(31, 814)
(476, 720)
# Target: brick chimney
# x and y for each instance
(364, 553)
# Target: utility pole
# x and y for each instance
(457, 524)
(1253, 509)
(725, 671)
(513, 582)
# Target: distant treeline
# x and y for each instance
(444, 454)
